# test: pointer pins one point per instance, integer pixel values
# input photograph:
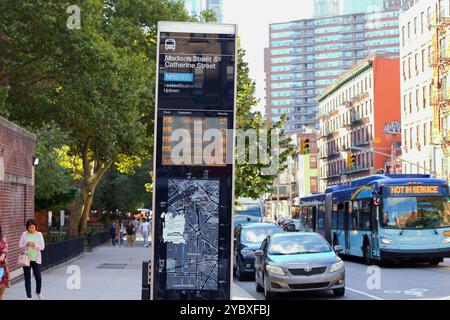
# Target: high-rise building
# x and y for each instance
(330, 8)
(425, 63)
(305, 56)
(195, 7)
(359, 122)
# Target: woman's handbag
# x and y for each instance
(24, 260)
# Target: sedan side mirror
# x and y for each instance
(259, 253)
(338, 249)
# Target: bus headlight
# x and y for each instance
(446, 240)
(337, 266)
(275, 270)
(387, 241)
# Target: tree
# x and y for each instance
(251, 180)
(53, 182)
(96, 83)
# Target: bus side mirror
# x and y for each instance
(259, 253)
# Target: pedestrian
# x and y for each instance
(113, 232)
(4, 271)
(130, 233)
(136, 225)
(145, 230)
(33, 243)
(119, 233)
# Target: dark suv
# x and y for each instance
(248, 239)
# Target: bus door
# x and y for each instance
(328, 209)
(347, 225)
(314, 218)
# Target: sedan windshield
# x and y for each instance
(415, 213)
(257, 235)
(298, 245)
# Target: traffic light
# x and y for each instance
(304, 146)
(351, 160)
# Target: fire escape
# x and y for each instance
(439, 93)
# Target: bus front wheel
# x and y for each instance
(367, 254)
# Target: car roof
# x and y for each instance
(293, 234)
(259, 225)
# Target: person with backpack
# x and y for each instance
(113, 232)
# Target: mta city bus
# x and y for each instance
(384, 217)
(248, 210)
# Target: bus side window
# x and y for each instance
(365, 215)
(355, 212)
(320, 218)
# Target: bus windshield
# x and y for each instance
(415, 213)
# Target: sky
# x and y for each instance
(253, 18)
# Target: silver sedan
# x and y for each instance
(302, 261)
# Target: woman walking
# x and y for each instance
(32, 242)
(119, 233)
(4, 272)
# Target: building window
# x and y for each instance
(410, 102)
(403, 36)
(415, 25)
(425, 134)
(313, 184)
(409, 30)
(313, 162)
(423, 60)
(404, 103)
(416, 63)
(409, 68)
(421, 21)
(417, 99)
(410, 138)
(404, 70)
(424, 97)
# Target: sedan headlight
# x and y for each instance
(446, 240)
(387, 241)
(248, 253)
(337, 266)
(275, 270)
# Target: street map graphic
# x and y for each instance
(191, 232)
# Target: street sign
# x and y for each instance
(193, 162)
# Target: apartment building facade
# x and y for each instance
(423, 125)
(359, 115)
(306, 56)
(195, 7)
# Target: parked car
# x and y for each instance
(285, 223)
(302, 261)
(247, 239)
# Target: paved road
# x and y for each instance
(397, 282)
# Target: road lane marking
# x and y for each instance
(364, 293)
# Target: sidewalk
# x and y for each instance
(107, 273)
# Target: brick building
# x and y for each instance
(17, 151)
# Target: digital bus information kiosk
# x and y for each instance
(193, 162)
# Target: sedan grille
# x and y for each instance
(309, 285)
(302, 272)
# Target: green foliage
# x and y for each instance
(250, 178)
(95, 83)
(53, 182)
(124, 192)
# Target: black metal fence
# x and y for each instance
(97, 239)
(58, 252)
